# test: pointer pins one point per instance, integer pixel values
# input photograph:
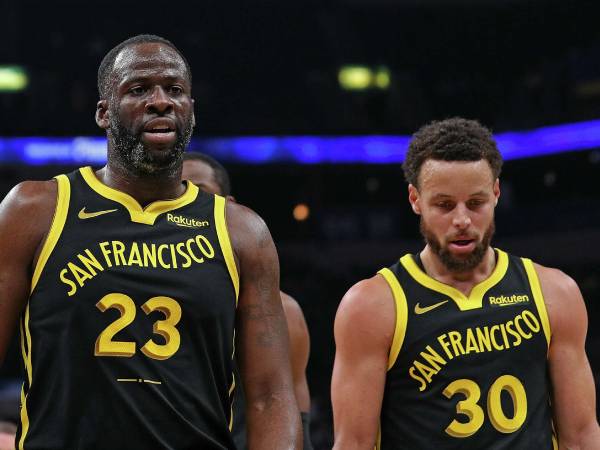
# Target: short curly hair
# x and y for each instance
(106, 66)
(454, 139)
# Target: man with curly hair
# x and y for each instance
(461, 345)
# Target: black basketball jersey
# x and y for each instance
(467, 371)
(128, 334)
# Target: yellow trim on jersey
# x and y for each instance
(58, 222)
(225, 243)
(61, 209)
(25, 340)
(138, 214)
(464, 303)
(536, 289)
(231, 389)
(401, 314)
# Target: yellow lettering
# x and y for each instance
(445, 345)
(149, 252)
(413, 375)
(188, 260)
(531, 321)
(209, 251)
(80, 275)
(425, 370)
(455, 339)
(162, 262)
(471, 342)
(483, 338)
(504, 336)
(433, 358)
(64, 279)
(188, 245)
(106, 252)
(493, 337)
(134, 256)
(173, 258)
(520, 330)
(514, 333)
(119, 253)
(90, 262)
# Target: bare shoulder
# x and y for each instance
(368, 308)
(247, 230)
(562, 297)
(29, 200)
(31, 195)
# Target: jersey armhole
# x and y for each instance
(401, 314)
(538, 297)
(225, 243)
(63, 197)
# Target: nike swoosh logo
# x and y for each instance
(88, 215)
(423, 310)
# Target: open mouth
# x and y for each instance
(463, 242)
(159, 131)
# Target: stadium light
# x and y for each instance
(13, 79)
(360, 78)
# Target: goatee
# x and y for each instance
(129, 151)
(453, 263)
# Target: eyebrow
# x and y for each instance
(142, 78)
(441, 195)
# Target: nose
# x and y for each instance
(461, 218)
(159, 101)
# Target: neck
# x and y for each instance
(464, 280)
(145, 189)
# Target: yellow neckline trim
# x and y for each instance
(138, 214)
(464, 303)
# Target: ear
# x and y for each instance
(102, 114)
(231, 198)
(496, 191)
(414, 199)
(193, 115)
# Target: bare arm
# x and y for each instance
(573, 396)
(364, 328)
(299, 349)
(25, 216)
(272, 413)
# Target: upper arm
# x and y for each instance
(364, 328)
(573, 392)
(261, 332)
(25, 217)
(299, 349)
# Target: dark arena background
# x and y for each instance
(309, 105)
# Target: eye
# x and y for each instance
(445, 204)
(474, 203)
(137, 90)
(175, 90)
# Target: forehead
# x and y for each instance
(148, 59)
(455, 177)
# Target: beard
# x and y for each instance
(130, 153)
(451, 262)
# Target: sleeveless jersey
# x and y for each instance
(128, 333)
(467, 371)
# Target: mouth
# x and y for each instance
(462, 245)
(159, 131)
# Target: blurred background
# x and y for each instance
(301, 82)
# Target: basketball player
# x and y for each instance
(210, 175)
(461, 345)
(127, 281)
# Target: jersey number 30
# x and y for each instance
(106, 346)
(469, 406)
